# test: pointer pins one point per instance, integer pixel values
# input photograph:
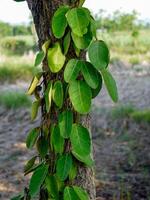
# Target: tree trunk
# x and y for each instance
(42, 12)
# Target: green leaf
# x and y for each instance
(70, 194)
(59, 21)
(34, 109)
(66, 43)
(63, 166)
(45, 46)
(42, 146)
(81, 2)
(110, 84)
(82, 194)
(72, 70)
(78, 20)
(86, 160)
(90, 74)
(39, 58)
(34, 84)
(96, 91)
(55, 58)
(37, 179)
(99, 54)
(93, 27)
(20, 196)
(80, 95)
(82, 42)
(32, 137)
(80, 140)
(48, 96)
(65, 123)
(52, 186)
(29, 164)
(73, 172)
(58, 94)
(57, 140)
(41, 54)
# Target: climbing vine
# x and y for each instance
(63, 141)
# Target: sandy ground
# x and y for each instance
(122, 164)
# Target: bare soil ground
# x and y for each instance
(121, 146)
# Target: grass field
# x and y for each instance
(125, 47)
(122, 47)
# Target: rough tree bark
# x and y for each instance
(42, 12)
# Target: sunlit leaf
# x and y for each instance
(73, 172)
(34, 84)
(55, 58)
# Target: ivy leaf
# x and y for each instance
(32, 137)
(65, 123)
(80, 140)
(58, 94)
(81, 2)
(34, 109)
(99, 54)
(73, 172)
(70, 194)
(57, 140)
(34, 83)
(110, 84)
(90, 74)
(72, 70)
(66, 43)
(86, 160)
(39, 58)
(42, 146)
(59, 22)
(82, 42)
(93, 27)
(41, 55)
(96, 91)
(55, 58)
(82, 194)
(52, 186)
(78, 20)
(63, 166)
(80, 95)
(37, 179)
(48, 96)
(29, 164)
